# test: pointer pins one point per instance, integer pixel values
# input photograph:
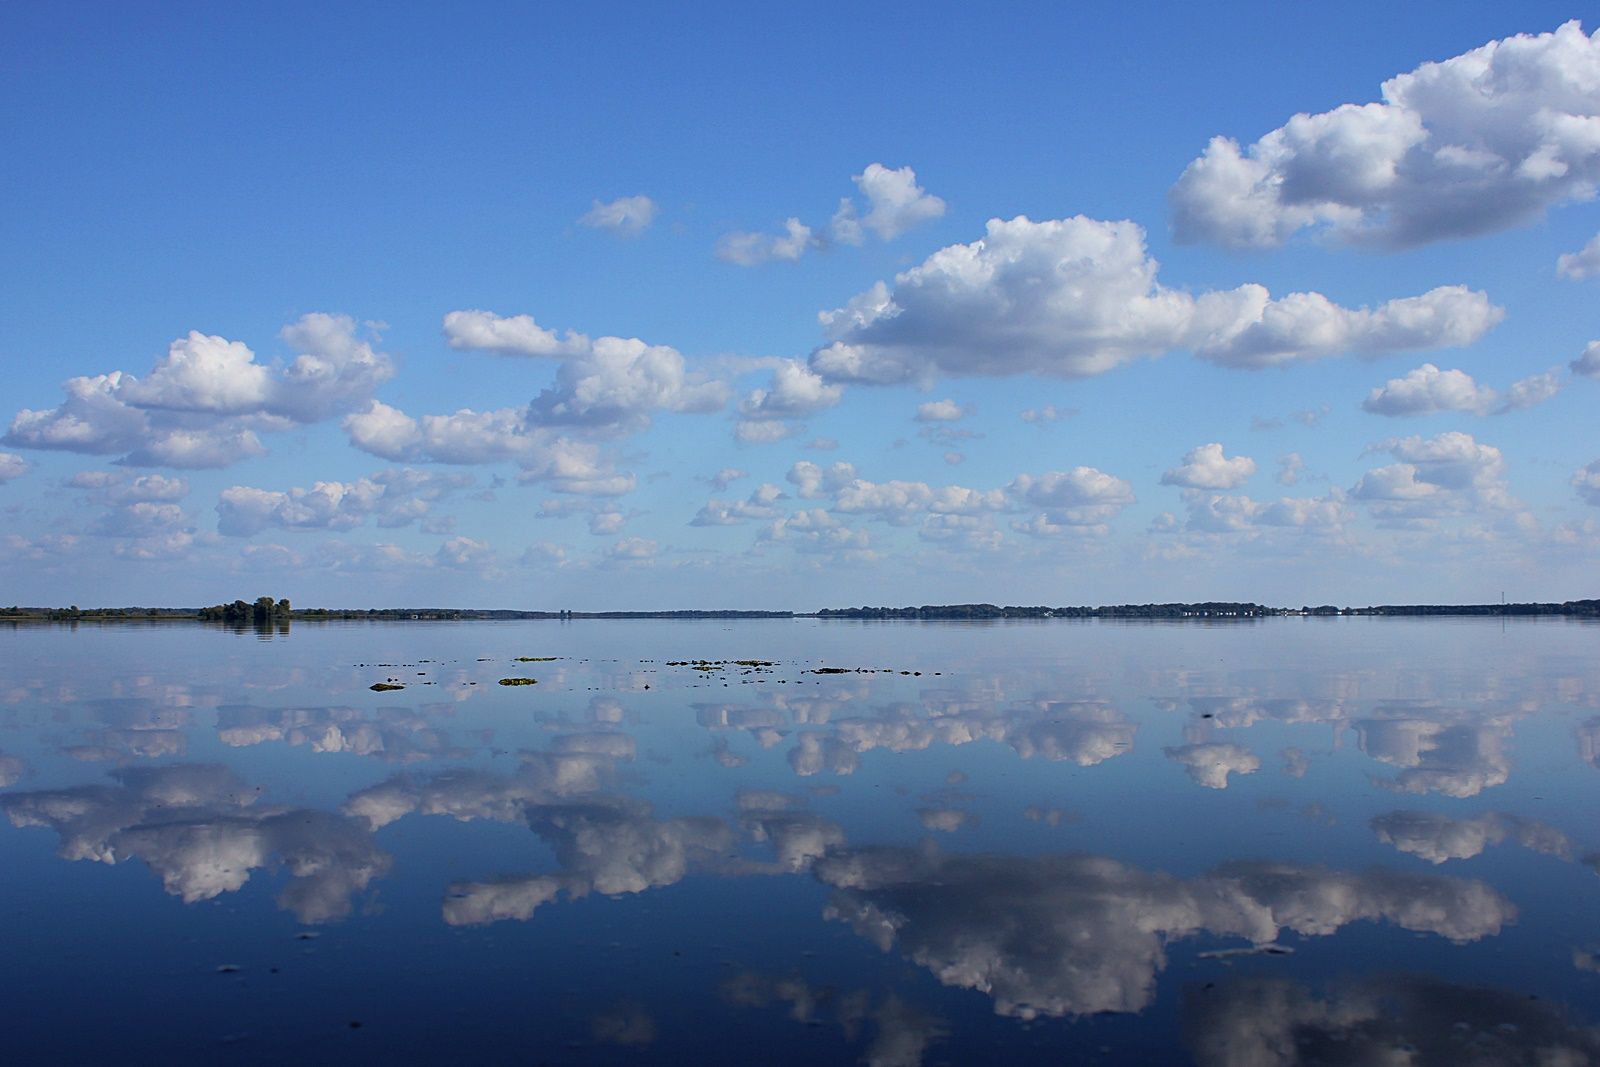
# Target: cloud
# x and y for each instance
(1582, 264)
(895, 204)
(392, 498)
(471, 437)
(1210, 764)
(12, 467)
(1206, 468)
(940, 411)
(509, 335)
(726, 477)
(747, 249)
(1438, 750)
(1437, 838)
(195, 827)
(1429, 390)
(626, 216)
(1047, 414)
(113, 488)
(796, 392)
(633, 550)
(1388, 1019)
(1081, 496)
(1587, 483)
(1074, 298)
(1291, 468)
(1477, 143)
(1070, 935)
(203, 403)
(759, 506)
(1588, 364)
(1450, 473)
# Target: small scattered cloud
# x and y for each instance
(1206, 467)
(626, 216)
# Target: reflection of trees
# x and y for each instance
(1394, 1020)
(1076, 934)
(196, 826)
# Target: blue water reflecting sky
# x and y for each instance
(1244, 843)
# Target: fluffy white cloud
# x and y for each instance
(1474, 144)
(940, 411)
(895, 204)
(1587, 482)
(509, 335)
(1448, 473)
(1588, 364)
(1306, 326)
(205, 374)
(204, 401)
(626, 216)
(12, 466)
(1206, 468)
(1078, 297)
(747, 249)
(1428, 390)
(113, 488)
(1081, 496)
(1217, 513)
(796, 391)
(392, 498)
(1585, 263)
(603, 383)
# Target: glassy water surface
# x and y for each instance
(1292, 841)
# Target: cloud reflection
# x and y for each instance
(1388, 1020)
(1077, 934)
(197, 827)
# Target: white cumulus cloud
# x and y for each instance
(1078, 297)
(1474, 144)
(1205, 467)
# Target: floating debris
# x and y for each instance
(384, 687)
(519, 681)
(534, 659)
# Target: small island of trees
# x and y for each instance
(264, 610)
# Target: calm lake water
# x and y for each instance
(1293, 841)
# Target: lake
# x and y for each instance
(1293, 840)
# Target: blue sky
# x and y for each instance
(625, 306)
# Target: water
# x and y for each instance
(1291, 841)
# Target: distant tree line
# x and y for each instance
(1210, 609)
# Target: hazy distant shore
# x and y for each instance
(1200, 610)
